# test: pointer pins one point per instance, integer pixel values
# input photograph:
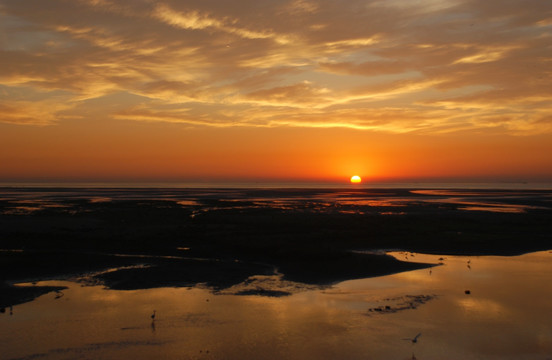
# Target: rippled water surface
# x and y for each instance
(505, 315)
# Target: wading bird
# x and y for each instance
(153, 316)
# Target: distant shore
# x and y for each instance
(268, 185)
(220, 237)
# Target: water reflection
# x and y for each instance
(28, 200)
(505, 316)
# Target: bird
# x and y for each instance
(415, 339)
(153, 315)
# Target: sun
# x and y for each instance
(355, 179)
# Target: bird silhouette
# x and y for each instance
(415, 339)
(153, 315)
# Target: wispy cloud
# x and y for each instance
(194, 20)
(37, 112)
(394, 66)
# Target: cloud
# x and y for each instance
(41, 113)
(303, 94)
(450, 65)
(369, 68)
(194, 20)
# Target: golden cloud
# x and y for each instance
(449, 66)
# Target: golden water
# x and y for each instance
(506, 316)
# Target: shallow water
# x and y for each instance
(505, 316)
(24, 201)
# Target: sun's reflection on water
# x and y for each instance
(328, 200)
(509, 298)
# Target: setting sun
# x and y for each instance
(215, 139)
(98, 92)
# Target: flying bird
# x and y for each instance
(415, 339)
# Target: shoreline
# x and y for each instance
(183, 237)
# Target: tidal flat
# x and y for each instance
(267, 255)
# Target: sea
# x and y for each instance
(504, 185)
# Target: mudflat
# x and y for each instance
(144, 238)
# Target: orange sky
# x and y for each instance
(103, 90)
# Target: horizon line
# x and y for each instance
(233, 184)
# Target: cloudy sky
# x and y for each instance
(275, 89)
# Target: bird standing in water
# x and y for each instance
(153, 322)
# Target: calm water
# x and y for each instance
(521, 185)
(506, 316)
(25, 200)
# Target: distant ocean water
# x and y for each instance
(285, 185)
